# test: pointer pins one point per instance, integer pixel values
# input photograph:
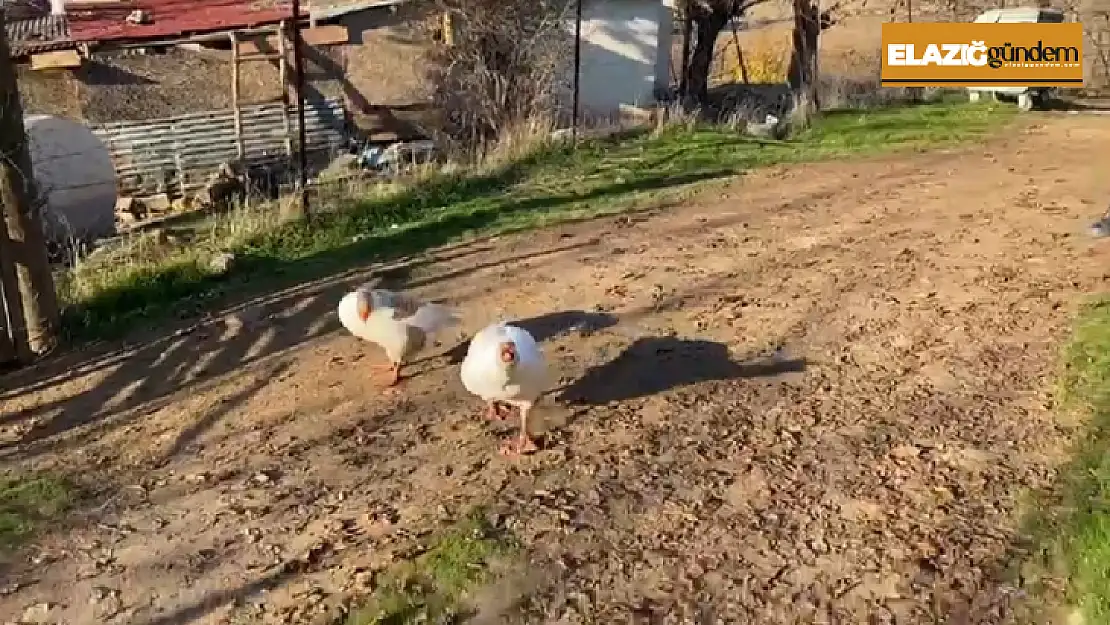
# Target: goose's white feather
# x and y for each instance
(399, 335)
(484, 373)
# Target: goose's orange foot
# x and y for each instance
(497, 411)
(518, 447)
(393, 377)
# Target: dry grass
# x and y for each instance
(517, 142)
(160, 258)
(765, 56)
(849, 77)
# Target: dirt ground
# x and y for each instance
(813, 395)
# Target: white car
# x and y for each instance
(1027, 97)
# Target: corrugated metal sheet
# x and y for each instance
(172, 18)
(38, 34)
(158, 155)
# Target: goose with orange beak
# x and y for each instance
(399, 324)
(504, 366)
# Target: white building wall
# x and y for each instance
(626, 54)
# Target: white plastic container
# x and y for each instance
(75, 176)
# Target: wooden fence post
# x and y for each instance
(25, 240)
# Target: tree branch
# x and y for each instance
(742, 8)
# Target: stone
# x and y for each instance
(221, 263)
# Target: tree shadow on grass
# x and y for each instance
(339, 240)
(140, 378)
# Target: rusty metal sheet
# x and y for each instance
(171, 154)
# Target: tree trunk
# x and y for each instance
(802, 75)
(707, 25)
(13, 329)
(7, 345)
(26, 241)
(687, 34)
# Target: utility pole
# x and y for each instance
(25, 241)
(302, 132)
(575, 112)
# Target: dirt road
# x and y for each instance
(811, 396)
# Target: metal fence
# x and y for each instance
(178, 155)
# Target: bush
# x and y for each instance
(502, 62)
(766, 59)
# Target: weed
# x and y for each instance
(29, 502)
(1070, 526)
(433, 587)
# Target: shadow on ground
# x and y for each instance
(253, 326)
(140, 377)
(547, 327)
(657, 364)
(203, 608)
(128, 383)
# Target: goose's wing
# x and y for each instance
(400, 305)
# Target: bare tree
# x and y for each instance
(503, 62)
(13, 335)
(802, 73)
(707, 18)
(13, 338)
(25, 241)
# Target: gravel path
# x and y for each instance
(812, 396)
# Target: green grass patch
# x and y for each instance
(1070, 526)
(30, 503)
(432, 587)
(144, 282)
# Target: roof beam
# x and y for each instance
(56, 59)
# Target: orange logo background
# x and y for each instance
(1048, 55)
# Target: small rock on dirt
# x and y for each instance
(905, 451)
(242, 319)
(39, 612)
(221, 263)
(102, 593)
(263, 478)
(364, 580)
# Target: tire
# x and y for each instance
(1044, 98)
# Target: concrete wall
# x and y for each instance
(387, 92)
(626, 50)
(130, 86)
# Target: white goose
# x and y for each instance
(397, 323)
(504, 365)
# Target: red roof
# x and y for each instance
(170, 18)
